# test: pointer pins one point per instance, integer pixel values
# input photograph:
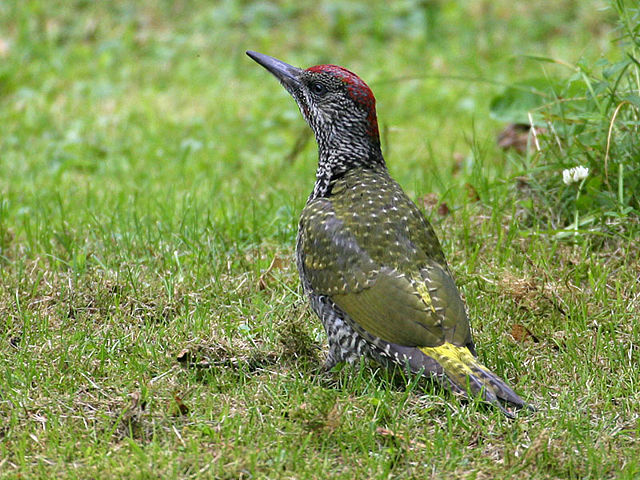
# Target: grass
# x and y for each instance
(589, 119)
(152, 324)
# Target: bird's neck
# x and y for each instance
(335, 163)
(341, 150)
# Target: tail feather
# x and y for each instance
(467, 376)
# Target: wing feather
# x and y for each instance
(389, 275)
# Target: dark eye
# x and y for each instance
(318, 88)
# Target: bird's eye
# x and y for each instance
(318, 88)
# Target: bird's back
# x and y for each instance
(367, 246)
(383, 220)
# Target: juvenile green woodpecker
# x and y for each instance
(369, 261)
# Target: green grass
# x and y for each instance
(149, 179)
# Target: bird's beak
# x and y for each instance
(288, 75)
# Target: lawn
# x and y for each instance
(152, 324)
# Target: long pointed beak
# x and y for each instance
(288, 75)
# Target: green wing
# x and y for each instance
(380, 262)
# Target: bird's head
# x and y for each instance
(336, 103)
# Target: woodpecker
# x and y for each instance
(369, 261)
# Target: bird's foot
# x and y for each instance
(329, 363)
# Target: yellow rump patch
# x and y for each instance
(452, 357)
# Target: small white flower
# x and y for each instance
(575, 174)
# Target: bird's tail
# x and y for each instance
(469, 377)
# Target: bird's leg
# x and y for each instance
(336, 352)
(329, 363)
